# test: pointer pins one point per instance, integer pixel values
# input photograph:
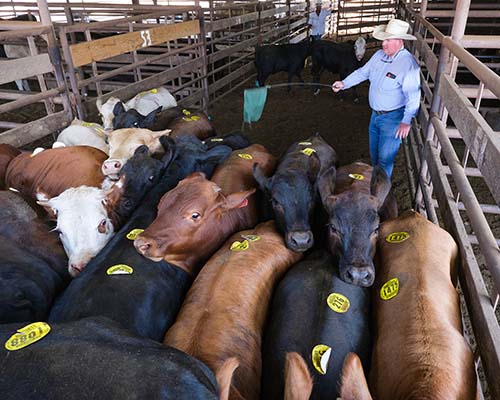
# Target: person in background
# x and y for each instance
(394, 93)
(317, 21)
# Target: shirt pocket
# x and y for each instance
(389, 83)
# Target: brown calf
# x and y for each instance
(52, 171)
(7, 154)
(198, 215)
(224, 311)
(419, 350)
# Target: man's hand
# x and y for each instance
(337, 86)
(403, 130)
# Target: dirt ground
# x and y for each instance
(288, 117)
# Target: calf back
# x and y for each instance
(419, 351)
(102, 361)
(224, 312)
(55, 170)
(309, 295)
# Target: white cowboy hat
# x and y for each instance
(395, 29)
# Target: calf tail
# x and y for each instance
(298, 381)
(353, 382)
(224, 376)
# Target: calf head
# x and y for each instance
(353, 222)
(82, 223)
(360, 48)
(122, 144)
(132, 118)
(293, 197)
(106, 111)
(137, 177)
(190, 221)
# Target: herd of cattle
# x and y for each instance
(167, 272)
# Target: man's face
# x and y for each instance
(318, 8)
(391, 46)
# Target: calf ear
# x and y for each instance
(150, 118)
(298, 381)
(326, 184)
(98, 104)
(380, 184)
(118, 109)
(224, 376)
(47, 203)
(353, 383)
(142, 149)
(264, 182)
(170, 150)
(237, 200)
(314, 167)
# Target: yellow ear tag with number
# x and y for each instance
(240, 246)
(320, 357)
(120, 269)
(358, 177)
(132, 235)
(245, 156)
(397, 237)
(28, 335)
(251, 238)
(217, 139)
(390, 289)
(308, 151)
(338, 302)
(305, 143)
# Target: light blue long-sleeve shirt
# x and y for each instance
(394, 82)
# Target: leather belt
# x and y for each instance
(387, 112)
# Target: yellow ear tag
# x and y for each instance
(28, 335)
(154, 91)
(132, 235)
(390, 289)
(358, 177)
(251, 238)
(397, 237)
(305, 143)
(186, 112)
(338, 303)
(120, 269)
(190, 119)
(87, 124)
(240, 246)
(245, 156)
(320, 357)
(308, 151)
(217, 139)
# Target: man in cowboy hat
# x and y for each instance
(394, 94)
(317, 21)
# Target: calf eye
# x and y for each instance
(375, 231)
(333, 229)
(195, 215)
(136, 124)
(102, 226)
(151, 178)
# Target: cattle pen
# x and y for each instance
(203, 53)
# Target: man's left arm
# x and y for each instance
(411, 90)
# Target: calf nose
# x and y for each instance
(111, 167)
(76, 268)
(300, 240)
(142, 244)
(360, 276)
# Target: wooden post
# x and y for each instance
(203, 50)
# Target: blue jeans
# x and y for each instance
(383, 144)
